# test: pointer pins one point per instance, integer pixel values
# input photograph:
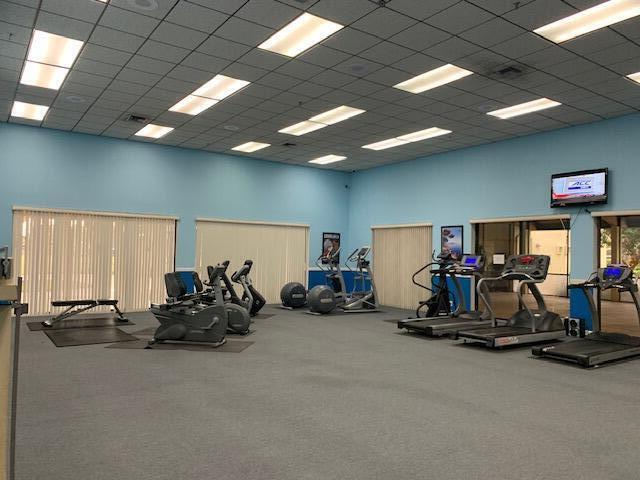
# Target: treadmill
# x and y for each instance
(599, 347)
(526, 325)
(460, 318)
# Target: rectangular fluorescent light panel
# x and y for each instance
(635, 77)
(251, 147)
(220, 87)
(336, 115)
(433, 78)
(301, 34)
(45, 76)
(591, 19)
(302, 128)
(327, 159)
(524, 108)
(53, 49)
(408, 138)
(29, 110)
(192, 105)
(153, 131)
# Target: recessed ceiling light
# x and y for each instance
(147, 5)
(299, 35)
(220, 87)
(153, 131)
(433, 78)
(327, 159)
(336, 115)
(231, 128)
(251, 147)
(635, 77)
(302, 128)
(192, 105)
(29, 110)
(591, 19)
(523, 108)
(408, 138)
(424, 134)
(45, 76)
(53, 49)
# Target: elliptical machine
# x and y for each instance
(363, 297)
(184, 318)
(253, 299)
(323, 299)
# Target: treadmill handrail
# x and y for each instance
(487, 303)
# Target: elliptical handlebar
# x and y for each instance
(327, 258)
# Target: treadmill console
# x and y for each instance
(470, 264)
(520, 267)
(613, 276)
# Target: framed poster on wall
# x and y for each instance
(451, 240)
(330, 241)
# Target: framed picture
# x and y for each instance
(330, 241)
(451, 240)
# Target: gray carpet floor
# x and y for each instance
(334, 397)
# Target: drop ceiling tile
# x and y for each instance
(358, 67)
(125, 99)
(128, 87)
(268, 13)
(616, 54)
(386, 53)
(178, 36)
(223, 48)
(521, 46)
(298, 69)
(261, 91)
(65, 26)
(191, 15)
(58, 123)
(388, 76)
(163, 51)
(205, 62)
(88, 79)
(342, 12)
(330, 78)
(340, 97)
(150, 65)
(12, 50)
(114, 39)
(18, 14)
(136, 76)
(541, 12)
(383, 23)
(98, 68)
(97, 53)
(276, 80)
(629, 28)
(172, 85)
(263, 59)
(244, 72)
(151, 8)
(8, 75)
(452, 49)
(189, 74)
(421, 9)
(459, 17)
(417, 64)
(500, 7)
(9, 63)
(128, 21)
(226, 6)
(594, 42)
(351, 41)
(362, 87)
(244, 32)
(492, 32)
(420, 36)
(323, 56)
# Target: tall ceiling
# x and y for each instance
(143, 56)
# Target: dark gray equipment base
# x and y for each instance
(228, 347)
(95, 322)
(507, 336)
(594, 349)
(439, 327)
(263, 316)
(73, 337)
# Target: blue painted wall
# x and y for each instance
(509, 178)
(50, 168)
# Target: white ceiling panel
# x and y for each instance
(191, 15)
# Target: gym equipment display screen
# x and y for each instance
(586, 187)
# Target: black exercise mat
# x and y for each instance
(96, 322)
(264, 316)
(74, 337)
(228, 347)
(148, 332)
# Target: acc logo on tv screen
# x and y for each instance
(580, 185)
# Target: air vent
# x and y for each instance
(136, 118)
(288, 144)
(509, 72)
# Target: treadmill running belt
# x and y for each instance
(483, 333)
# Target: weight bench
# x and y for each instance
(74, 307)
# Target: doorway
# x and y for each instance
(498, 240)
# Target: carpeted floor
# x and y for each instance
(335, 397)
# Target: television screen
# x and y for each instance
(586, 187)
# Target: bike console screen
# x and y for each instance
(520, 267)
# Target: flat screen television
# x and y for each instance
(585, 187)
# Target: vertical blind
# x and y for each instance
(83, 255)
(279, 252)
(398, 252)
